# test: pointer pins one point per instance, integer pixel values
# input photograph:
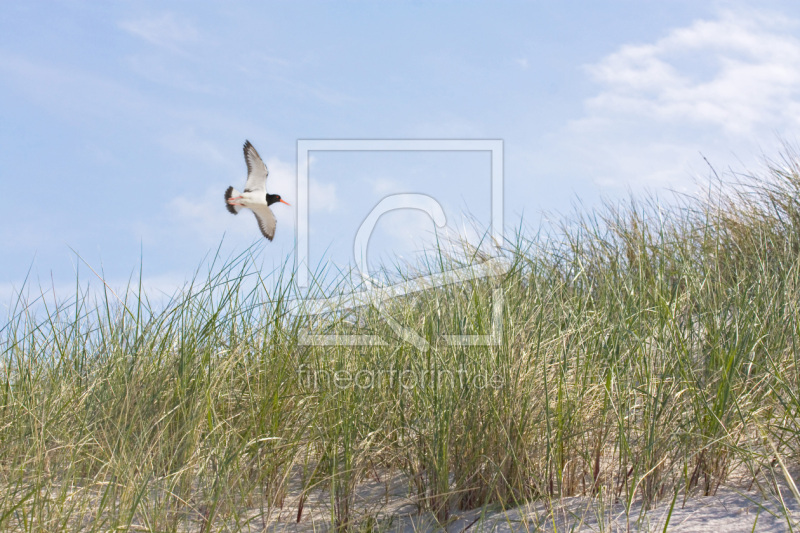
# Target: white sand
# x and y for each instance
(389, 503)
(728, 511)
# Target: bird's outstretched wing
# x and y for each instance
(256, 170)
(266, 220)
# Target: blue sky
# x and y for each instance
(122, 122)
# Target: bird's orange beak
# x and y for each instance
(285, 202)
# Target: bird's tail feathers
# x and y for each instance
(231, 192)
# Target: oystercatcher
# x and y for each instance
(255, 196)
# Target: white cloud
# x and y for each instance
(322, 196)
(205, 214)
(726, 87)
(282, 179)
(739, 72)
(201, 215)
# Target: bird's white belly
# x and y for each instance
(254, 198)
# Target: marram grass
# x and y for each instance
(646, 354)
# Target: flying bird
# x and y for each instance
(255, 196)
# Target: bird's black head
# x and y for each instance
(275, 198)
